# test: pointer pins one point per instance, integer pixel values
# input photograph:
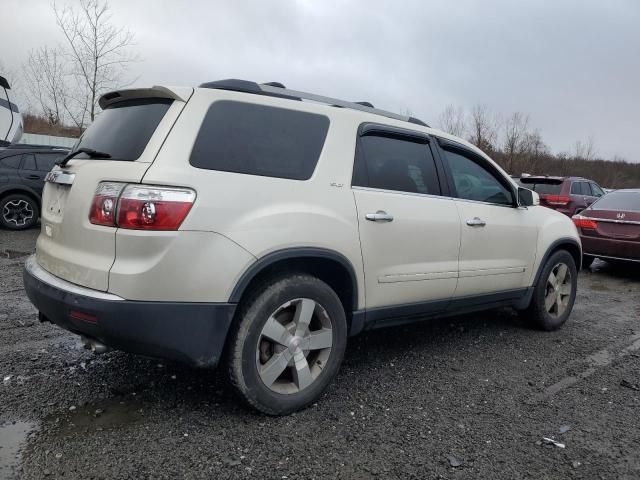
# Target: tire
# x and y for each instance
(254, 358)
(538, 313)
(587, 261)
(18, 212)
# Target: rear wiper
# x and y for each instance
(89, 151)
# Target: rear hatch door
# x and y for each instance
(131, 129)
(546, 187)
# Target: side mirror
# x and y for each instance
(527, 198)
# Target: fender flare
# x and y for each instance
(293, 253)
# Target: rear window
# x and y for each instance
(622, 201)
(259, 140)
(542, 187)
(123, 130)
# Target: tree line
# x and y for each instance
(520, 149)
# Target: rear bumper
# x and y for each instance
(193, 333)
(610, 248)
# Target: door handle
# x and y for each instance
(33, 177)
(476, 222)
(379, 216)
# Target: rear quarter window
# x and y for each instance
(259, 140)
(124, 129)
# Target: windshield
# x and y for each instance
(124, 129)
(623, 201)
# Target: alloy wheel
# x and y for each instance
(559, 290)
(294, 346)
(17, 212)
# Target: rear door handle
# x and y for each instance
(476, 222)
(33, 177)
(379, 216)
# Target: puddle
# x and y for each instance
(8, 253)
(103, 415)
(12, 437)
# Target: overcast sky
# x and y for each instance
(573, 66)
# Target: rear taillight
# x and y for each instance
(141, 207)
(584, 222)
(105, 201)
(154, 208)
(557, 199)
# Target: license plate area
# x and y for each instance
(56, 200)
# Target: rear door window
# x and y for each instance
(28, 162)
(576, 188)
(259, 140)
(123, 129)
(397, 164)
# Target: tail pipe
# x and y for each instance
(94, 345)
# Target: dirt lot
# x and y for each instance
(468, 397)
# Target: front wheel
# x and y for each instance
(555, 293)
(288, 345)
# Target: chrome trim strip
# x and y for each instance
(416, 277)
(31, 265)
(429, 195)
(595, 255)
(61, 177)
(612, 220)
(491, 271)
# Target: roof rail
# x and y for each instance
(27, 146)
(274, 89)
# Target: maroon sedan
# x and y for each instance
(610, 228)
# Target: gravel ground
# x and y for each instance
(465, 397)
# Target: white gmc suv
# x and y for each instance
(261, 227)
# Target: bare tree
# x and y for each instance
(515, 137)
(99, 50)
(483, 128)
(585, 150)
(534, 150)
(44, 78)
(452, 121)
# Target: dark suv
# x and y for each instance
(568, 195)
(22, 172)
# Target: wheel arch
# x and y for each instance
(330, 266)
(21, 190)
(569, 244)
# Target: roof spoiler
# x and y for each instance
(181, 94)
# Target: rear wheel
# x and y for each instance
(288, 345)
(555, 293)
(18, 212)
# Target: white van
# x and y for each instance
(10, 118)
